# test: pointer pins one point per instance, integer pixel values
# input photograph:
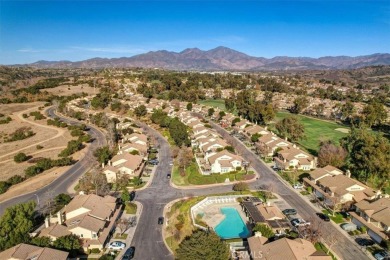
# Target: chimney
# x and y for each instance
(109, 163)
(59, 217)
(103, 165)
(285, 138)
(47, 222)
(348, 173)
(268, 203)
(258, 234)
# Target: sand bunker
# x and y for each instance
(343, 130)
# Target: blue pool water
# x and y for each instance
(232, 226)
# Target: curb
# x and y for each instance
(164, 231)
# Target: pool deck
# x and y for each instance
(213, 215)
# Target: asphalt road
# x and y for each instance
(62, 183)
(148, 236)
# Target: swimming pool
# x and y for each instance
(232, 226)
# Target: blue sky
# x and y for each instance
(70, 30)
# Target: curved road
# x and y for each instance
(62, 183)
(148, 236)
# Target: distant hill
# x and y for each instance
(221, 58)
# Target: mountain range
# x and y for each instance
(221, 59)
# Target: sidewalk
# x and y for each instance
(131, 231)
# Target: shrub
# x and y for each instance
(15, 179)
(39, 147)
(37, 115)
(238, 168)
(20, 134)
(5, 120)
(95, 250)
(20, 157)
(25, 116)
(309, 189)
(4, 186)
(265, 230)
(363, 229)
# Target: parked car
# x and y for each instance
(116, 245)
(298, 186)
(348, 226)
(345, 214)
(289, 212)
(364, 242)
(382, 255)
(297, 222)
(160, 220)
(129, 254)
(323, 216)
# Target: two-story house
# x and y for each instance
(31, 252)
(337, 190)
(90, 217)
(224, 161)
(375, 216)
(123, 163)
(267, 145)
(291, 157)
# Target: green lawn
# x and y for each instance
(165, 133)
(219, 103)
(337, 218)
(131, 208)
(316, 130)
(119, 236)
(322, 247)
(193, 176)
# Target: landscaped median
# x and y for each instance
(192, 176)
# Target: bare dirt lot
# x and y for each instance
(67, 90)
(51, 138)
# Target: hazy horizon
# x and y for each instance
(78, 30)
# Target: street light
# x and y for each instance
(37, 199)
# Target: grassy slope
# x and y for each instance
(220, 103)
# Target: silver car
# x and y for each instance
(117, 245)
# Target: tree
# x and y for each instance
(184, 158)
(229, 148)
(41, 241)
(291, 128)
(103, 154)
(211, 111)
(189, 106)
(140, 111)
(300, 103)
(4, 186)
(20, 157)
(221, 114)
(203, 245)
(62, 199)
(368, 155)
(347, 110)
(125, 196)
(16, 223)
(255, 137)
(331, 154)
(235, 121)
(70, 243)
(178, 132)
(134, 152)
(374, 114)
(265, 230)
(240, 186)
(123, 224)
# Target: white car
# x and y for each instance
(297, 186)
(117, 245)
(382, 255)
(297, 222)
